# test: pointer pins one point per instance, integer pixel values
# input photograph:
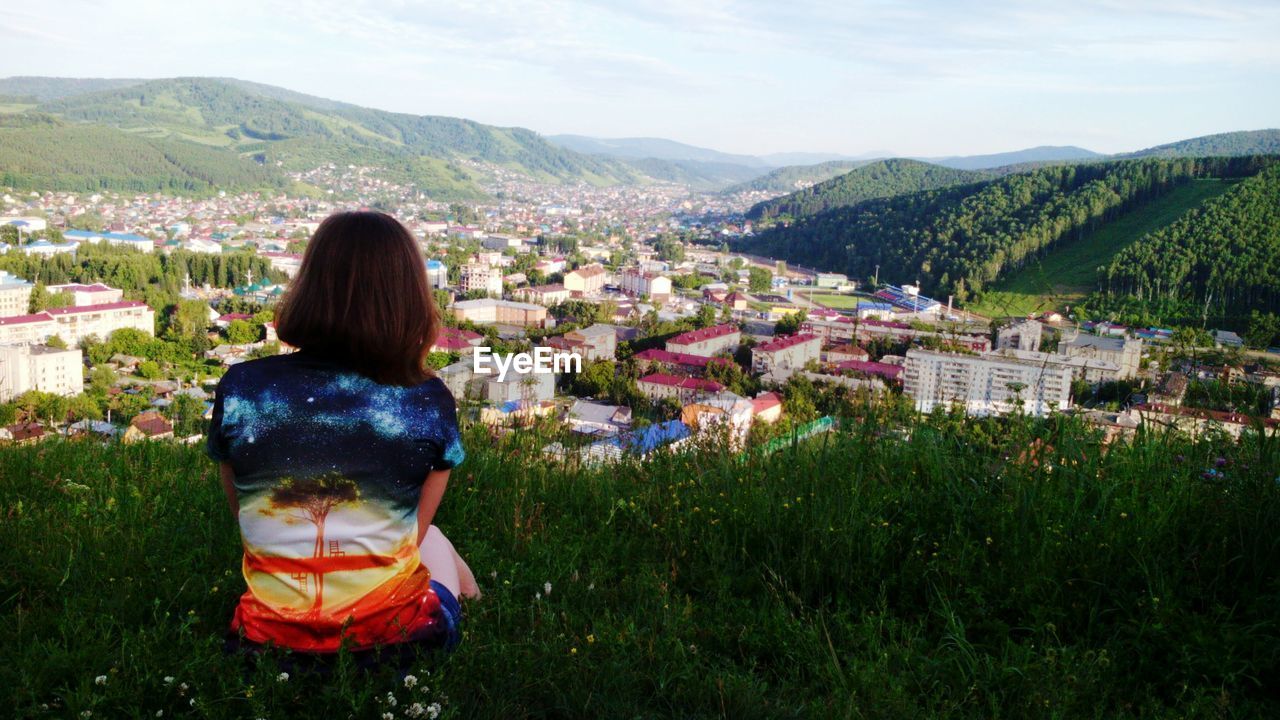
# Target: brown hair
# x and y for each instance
(362, 298)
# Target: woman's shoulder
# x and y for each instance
(434, 389)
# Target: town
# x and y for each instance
(118, 314)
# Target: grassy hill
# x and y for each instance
(882, 178)
(1073, 270)
(299, 131)
(860, 575)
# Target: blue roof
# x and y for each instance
(19, 223)
(864, 305)
(654, 436)
(86, 234)
(434, 264)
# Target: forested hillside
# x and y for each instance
(300, 132)
(788, 179)
(1221, 260)
(959, 239)
(42, 153)
(1249, 142)
(883, 178)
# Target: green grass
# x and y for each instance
(860, 576)
(838, 302)
(1069, 273)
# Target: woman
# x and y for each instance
(334, 458)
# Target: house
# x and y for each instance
(24, 433)
(720, 410)
(891, 373)
(1124, 352)
(767, 407)
(93, 428)
(597, 342)
(656, 358)
(657, 386)
(149, 425)
(83, 295)
(639, 283)
(592, 418)
(488, 311)
(707, 341)
(480, 277)
(456, 340)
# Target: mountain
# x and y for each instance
(795, 177)
(658, 148)
(784, 159)
(882, 178)
(273, 125)
(42, 152)
(41, 89)
(959, 239)
(699, 175)
(1041, 154)
(1247, 142)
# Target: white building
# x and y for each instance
(137, 242)
(437, 274)
(203, 245)
(82, 295)
(707, 341)
(1122, 351)
(481, 277)
(786, 353)
(15, 295)
(586, 280)
(73, 324)
(1024, 335)
(984, 384)
(639, 283)
(38, 367)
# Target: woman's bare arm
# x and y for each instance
(229, 487)
(429, 501)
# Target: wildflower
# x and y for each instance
(391, 700)
(192, 702)
(388, 716)
(494, 574)
(591, 639)
(86, 714)
(592, 586)
(410, 681)
(159, 713)
(183, 687)
(537, 596)
(573, 651)
(433, 711)
(415, 710)
(1124, 515)
(282, 677)
(546, 588)
(100, 680)
(989, 540)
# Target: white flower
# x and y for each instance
(537, 596)
(410, 681)
(192, 703)
(391, 700)
(592, 586)
(168, 679)
(159, 713)
(183, 687)
(282, 677)
(546, 588)
(494, 574)
(388, 716)
(415, 710)
(433, 711)
(86, 714)
(100, 680)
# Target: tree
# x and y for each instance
(706, 316)
(56, 341)
(790, 324)
(150, 370)
(759, 279)
(241, 332)
(1263, 328)
(312, 500)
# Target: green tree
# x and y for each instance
(759, 279)
(241, 332)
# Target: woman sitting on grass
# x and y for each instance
(334, 458)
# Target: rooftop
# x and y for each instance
(696, 336)
(785, 342)
(684, 383)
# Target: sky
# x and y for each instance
(950, 77)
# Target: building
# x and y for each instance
(137, 242)
(767, 407)
(656, 358)
(786, 353)
(77, 323)
(85, 295)
(685, 389)
(598, 419)
(547, 295)
(724, 409)
(437, 274)
(1024, 335)
(1122, 351)
(984, 385)
(885, 371)
(15, 295)
(207, 246)
(479, 277)
(586, 280)
(27, 329)
(488, 311)
(1082, 367)
(846, 330)
(842, 353)
(645, 284)
(149, 425)
(456, 340)
(38, 367)
(597, 342)
(287, 263)
(707, 341)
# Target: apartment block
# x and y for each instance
(37, 367)
(15, 295)
(985, 384)
(707, 341)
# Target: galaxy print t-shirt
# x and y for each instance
(329, 466)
